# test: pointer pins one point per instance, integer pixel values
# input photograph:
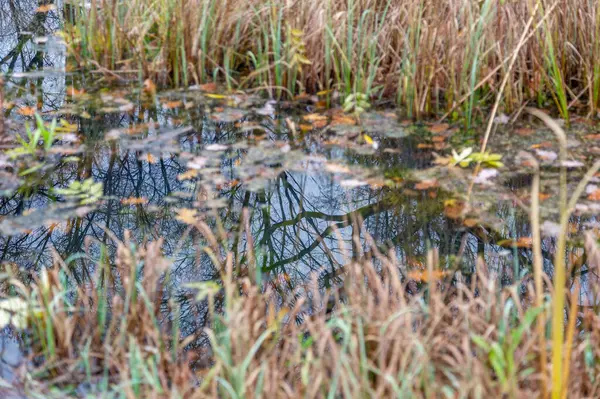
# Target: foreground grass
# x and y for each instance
(429, 55)
(377, 334)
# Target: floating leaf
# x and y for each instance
(134, 201)
(427, 184)
(27, 111)
(438, 128)
(187, 216)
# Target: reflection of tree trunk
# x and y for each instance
(35, 28)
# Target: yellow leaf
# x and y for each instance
(215, 96)
(368, 139)
(187, 216)
(315, 117)
(426, 276)
(190, 174)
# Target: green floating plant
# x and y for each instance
(467, 156)
(86, 192)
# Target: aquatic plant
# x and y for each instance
(432, 56)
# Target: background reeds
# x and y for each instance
(429, 55)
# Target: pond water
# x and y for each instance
(318, 187)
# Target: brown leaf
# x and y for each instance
(172, 104)
(521, 242)
(438, 128)
(315, 117)
(134, 201)
(470, 222)
(45, 8)
(594, 195)
(426, 275)
(208, 87)
(74, 92)
(27, 111)
(427, 184)
(524, 131)
(342, 120)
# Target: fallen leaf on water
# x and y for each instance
(544, 196)
(544, 144)
(426, 184)
(522, 242)
(134, 201)
(305, 128)
(592, 136)
(190, 174)
(470, 222)
(315, 117)
(453, 208)
(149, 87)
(27, 111)
(186, 215)
(172, 104)
(342, 120)
(524, 131)
(208, 87)
(319, 124)
(74, 92)
(216, 96)
(594, 195)
(438, 128)
(46, 8)
(426, 275)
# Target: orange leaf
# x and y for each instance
(426, 276)
(521, 242)
(134, 201)
(187, 216)
(342, 120)
(315, 117)
(27, 111)
(172, 104)
(426, 184)
(438, 128)
(190, 174)
(319, 124)
(305, 127)
(45, 8)
(208, 87)
(594, 195)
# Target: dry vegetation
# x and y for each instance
(430, 55)
(109, 336)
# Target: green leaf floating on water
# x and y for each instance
(86, 192)
(467, 156)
